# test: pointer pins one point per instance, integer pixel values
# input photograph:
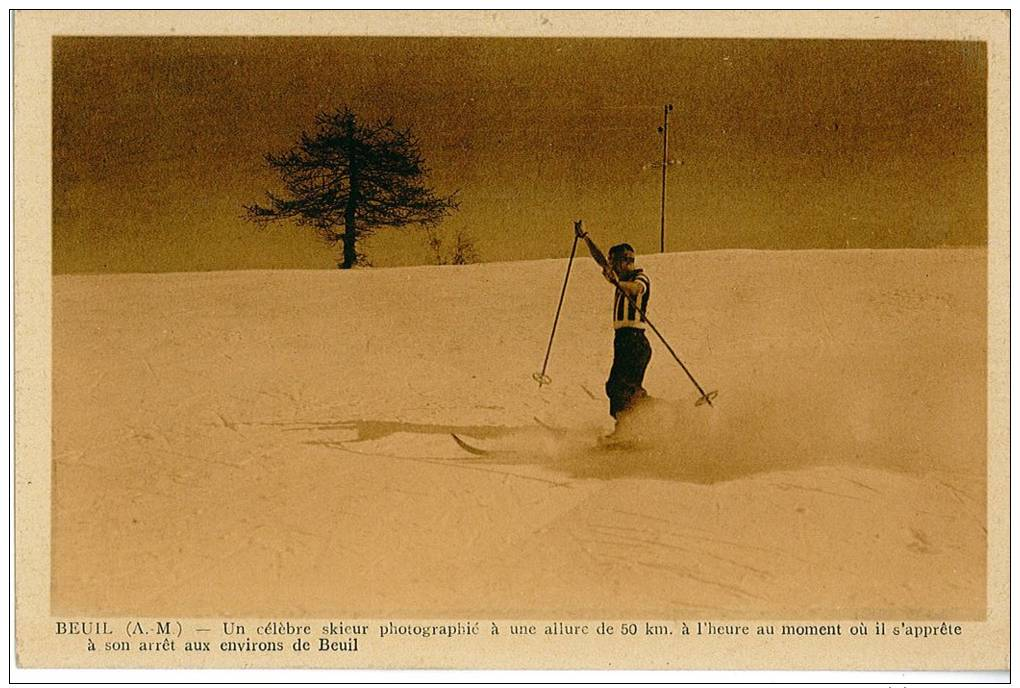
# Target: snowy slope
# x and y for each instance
(262, 443)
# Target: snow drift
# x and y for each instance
(270, 443)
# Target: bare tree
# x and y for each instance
(348, 179)
(462, 252)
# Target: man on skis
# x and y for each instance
(631, 350)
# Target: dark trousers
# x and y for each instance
(631, 354)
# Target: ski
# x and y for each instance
(554, 430)
(563, 437)
(468, 448)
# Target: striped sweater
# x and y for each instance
(625, 314)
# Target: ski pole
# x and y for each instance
(600, 258)
(542, 378)
(706, 397)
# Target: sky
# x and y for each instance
(159, 142)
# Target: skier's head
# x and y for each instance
(622, 258)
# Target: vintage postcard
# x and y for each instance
(517, 339)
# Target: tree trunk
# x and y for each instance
(350, 240)
(350, 211)
(350, 229)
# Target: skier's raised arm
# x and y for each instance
(632, 288)
(600, 258)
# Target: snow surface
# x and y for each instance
(278, 442)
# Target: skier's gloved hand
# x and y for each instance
(579, 231)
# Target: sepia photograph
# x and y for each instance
(533, 330)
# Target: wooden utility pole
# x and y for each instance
(664, 129)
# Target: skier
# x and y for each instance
(631, 350)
